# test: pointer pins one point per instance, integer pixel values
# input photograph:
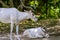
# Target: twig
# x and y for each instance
(3, 4)
(12, 5)
(22, 4)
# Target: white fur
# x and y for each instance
(35, 33)
(13, 16)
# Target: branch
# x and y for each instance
(19, 6)
(22, 4)
(12, 5)
(3, 3)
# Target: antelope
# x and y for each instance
(14, 16)
(35, 33)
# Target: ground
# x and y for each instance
(6, 37)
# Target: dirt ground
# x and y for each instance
(7, 37)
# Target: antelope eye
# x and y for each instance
(33, 14)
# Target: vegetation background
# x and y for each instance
(47, 12)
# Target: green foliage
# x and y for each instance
(32, 3)
(53, 9)
(46, 8)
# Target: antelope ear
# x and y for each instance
(30, 11)
(24, 10)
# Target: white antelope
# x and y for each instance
(35, 33)
(13, 16)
